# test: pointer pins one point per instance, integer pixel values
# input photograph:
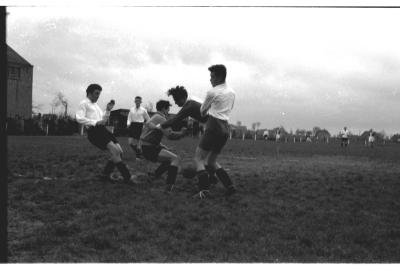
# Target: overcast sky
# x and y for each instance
(296, 67)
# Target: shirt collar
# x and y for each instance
(89, 101)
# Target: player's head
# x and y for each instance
(217, 74)
(138, 101)
(163, 106)
(179, 94)
(93, 92)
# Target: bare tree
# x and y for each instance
(60, 100)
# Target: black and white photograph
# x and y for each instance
(199, 133)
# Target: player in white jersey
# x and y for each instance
(136, 118)
(345, 137)
(217, 105)
(371, 139)
(90, 114)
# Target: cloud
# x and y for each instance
(319, 75)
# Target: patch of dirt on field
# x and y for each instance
(303, 204)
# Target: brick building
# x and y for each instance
(19, 85)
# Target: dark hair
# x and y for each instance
(92, 87)
(162, 104)
(138, 97)
(219, 70)
(178, 92)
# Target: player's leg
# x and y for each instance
(99, 136)
(211, 174)
(116, 152)
(136, 132)
(172, 160)
(221, 173)
(200, 159)
(130, 142)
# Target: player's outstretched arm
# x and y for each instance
(182, 114)
(174, 135)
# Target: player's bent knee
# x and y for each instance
(115, 149)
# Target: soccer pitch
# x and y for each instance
(309, 202)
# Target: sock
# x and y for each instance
(172, 172)
(124, 170)
(162, 168)
(211, 175)
(204, 183)
(210, 170)
(108, 168)
(224, 177)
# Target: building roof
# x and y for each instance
(15, 58)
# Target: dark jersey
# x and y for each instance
(153, 136)
(190, 109)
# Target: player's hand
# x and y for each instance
(110, 106)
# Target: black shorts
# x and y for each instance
(151, 152)
(100, 136)
(345, 140)
(215, 135)
(135, 130)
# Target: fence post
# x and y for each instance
(243, 136)
(47, 129)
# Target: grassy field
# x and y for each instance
(312, 203)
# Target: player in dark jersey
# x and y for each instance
(189, 108)
(152, 148)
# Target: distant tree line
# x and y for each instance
(63, 124)
(317, 134)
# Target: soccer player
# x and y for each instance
(90, 114)
(152, 148)
(371, 139)
(189, 108)
(345, 137)
(218, 105)
(136, 117)
(278, 135)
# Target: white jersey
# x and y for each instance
(137, 115)
(371, 138)
(345, 133)
(90, 113)
(219, 102)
